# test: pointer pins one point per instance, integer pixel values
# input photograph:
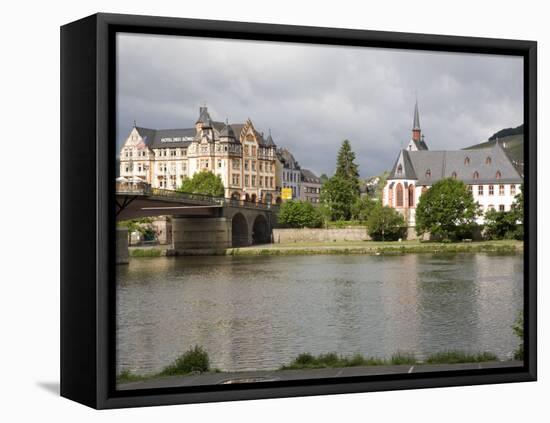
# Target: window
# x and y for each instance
(236, 163)
(411, 195)
(271, 181)
(245, 180)
(501, 208)
(512, 190)
(253, 165)
(261, 167)
(246, 165)
(399, 170)
(399, 195)
(498, 174)
(488, 160)
(428, 174)
(261, 181)
(480, 190)
(491, 190)
(253, 180)
(467, 161)
(501, 190)
(470, 189)
(476, 175)
(453, 175)
(235, 179)
(172, 153)
(219, 163)
(253, 150)
(490, 207)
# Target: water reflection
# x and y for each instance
(260, 312)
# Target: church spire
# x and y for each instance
(416, 132)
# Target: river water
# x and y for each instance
(261, 312)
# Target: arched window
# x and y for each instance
(428, 174)
(498, 174)
(476, 175)
(399, 195)
(411, 195)
(488, 160)
(399, 170)
(453, 175)
(467, 161)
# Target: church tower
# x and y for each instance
(417, 141)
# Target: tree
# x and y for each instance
(385, 223)
(517, 207)
(346, 167)
(361, 209)
(323, 178)
(205, 183)
(299, 214)
(338, 194)
(447, 209)
(500, 224)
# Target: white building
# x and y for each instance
(489, 174)
(237, 153)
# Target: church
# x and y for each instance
(489, 174)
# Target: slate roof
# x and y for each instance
(462, 163)
(181, 138)
(309, 176)
(286, 158)
(153, 137)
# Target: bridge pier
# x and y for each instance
(122, 255)
(200, 235)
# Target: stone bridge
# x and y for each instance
(200, 224)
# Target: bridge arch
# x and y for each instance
(239, 231)
(260, 230)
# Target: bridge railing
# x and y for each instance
(147, 190)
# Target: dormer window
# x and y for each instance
(488, 160)
(476, 175)
(498, 175)
(399, 170)
(467, 161)
(428, 174)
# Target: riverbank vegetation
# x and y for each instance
(193, 361)
(145, 252)
(309, 361)
(377, 248)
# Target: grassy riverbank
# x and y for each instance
(377, 248)
(195, 362)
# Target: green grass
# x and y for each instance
(126, 376)
(454, 357)
(331, 360)
(378, 248)
(309, 361)
(145, 252)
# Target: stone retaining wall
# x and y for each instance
(355, 233)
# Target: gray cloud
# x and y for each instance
(313, 97)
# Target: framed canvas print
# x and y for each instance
(258, 211)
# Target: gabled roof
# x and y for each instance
(167, 138)
(462, 164)
(308, 176)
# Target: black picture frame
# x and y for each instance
(88, 227)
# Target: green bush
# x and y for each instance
(445, 208)
(385, 224)
(194, 360)
(299, 214)
(401, 357)
(500, 225)
(454, 357)
(518, 329)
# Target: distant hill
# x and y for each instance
(511, 139)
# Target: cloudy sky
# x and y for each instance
(313, 97)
